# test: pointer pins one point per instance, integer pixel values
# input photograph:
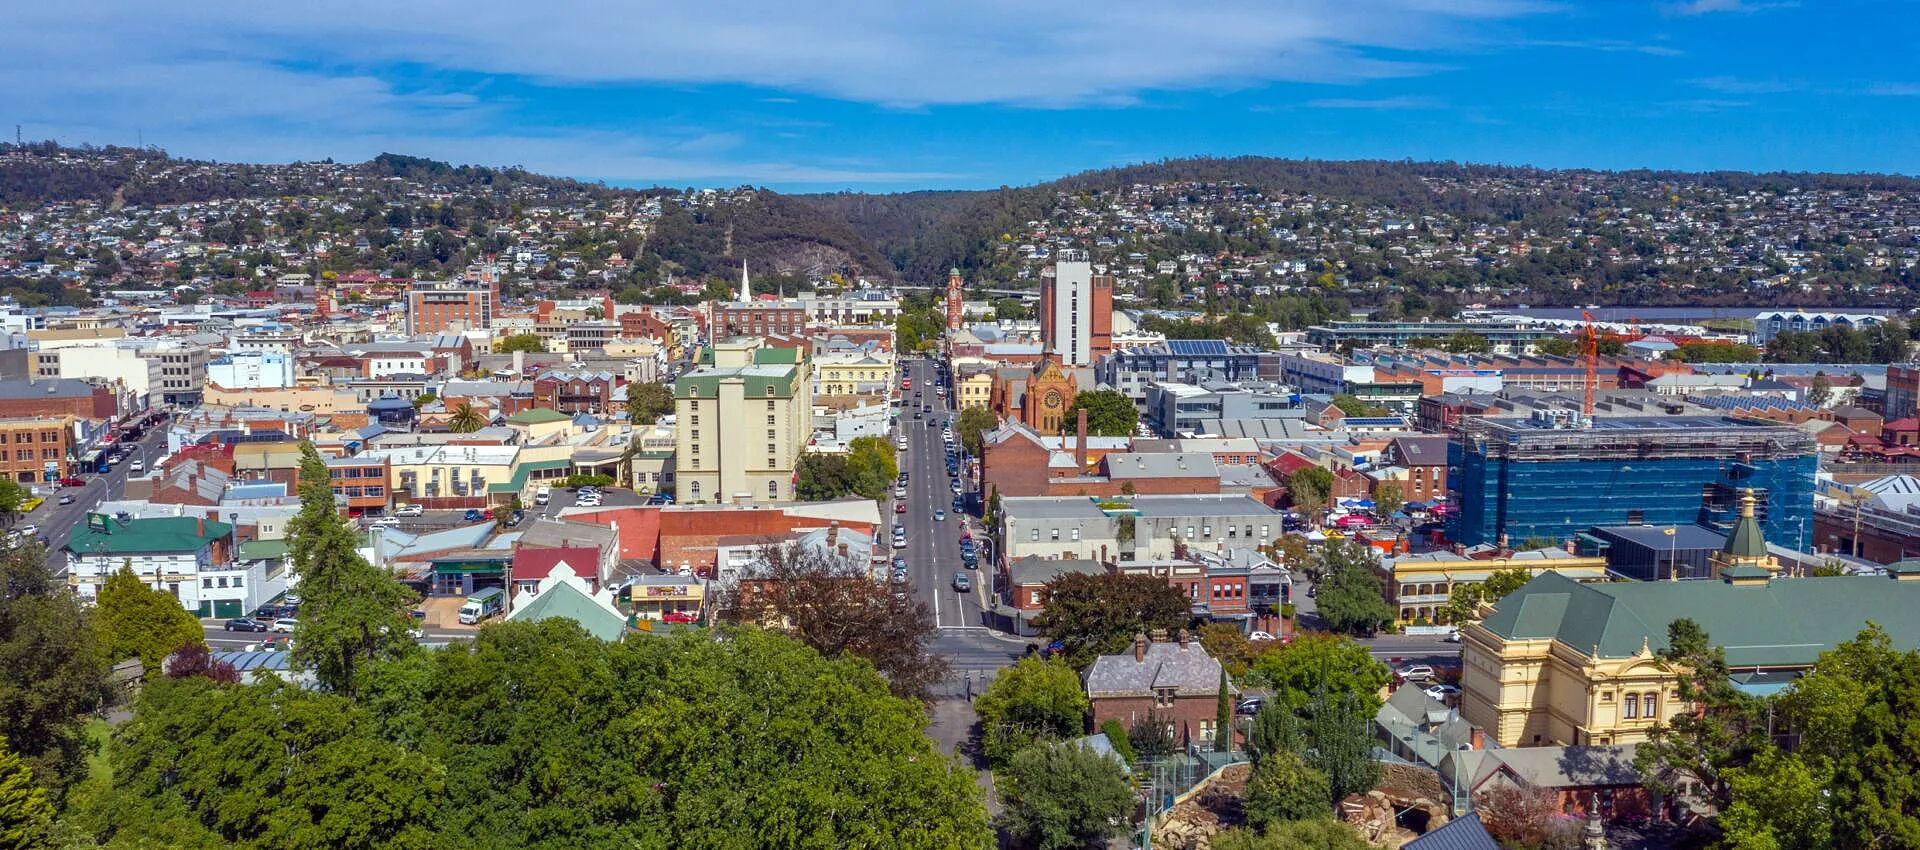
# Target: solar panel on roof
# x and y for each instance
(1196, 347)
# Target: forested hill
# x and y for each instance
(925, 233)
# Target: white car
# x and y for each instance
(385, 522)
(1260, 636)
(1416, 673)
(1443, 693)
(409, 510)
(285, 625)
(900, 542)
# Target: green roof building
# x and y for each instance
(190, 557)
(741, 423)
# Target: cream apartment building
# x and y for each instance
(742, 419)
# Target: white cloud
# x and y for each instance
(276, 81)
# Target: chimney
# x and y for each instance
(200, 526)
(1183, 638)
(1140, 646)
(843, 550)
(1477, 739)
(833, 533)
(1571, 546)
(1080, 440)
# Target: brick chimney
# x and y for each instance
(1183, 638)
(1140, 646)
(200, 526)
(1080, 440)
(833, 533)
(1477, 739)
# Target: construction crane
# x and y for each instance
(1591, 352)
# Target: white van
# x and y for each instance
(543, 495)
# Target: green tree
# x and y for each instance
(1310, 487)
(1036, 699)
(465, 419)
(1465, 342)
(1339, 740)
(1727, 731)
(822, 477)
(137, 621)
(1463, 605)
(1228, 645)
(1283, 788)
(1093, 615)
(1820, 389)
(646, 403)
(1109, 413)
(351, 612)
(1223, 717)
(1353, 406)
(1313, 665)
(529, 343)
(1557, 346)
(1151, 739)
(1351, 594)
(25, 813)
(1117, 736)
(1388, 498)
(12, 496)
(1779, 802)
(52, 670)
(871, 469)
(1064, 796)
(971, 426)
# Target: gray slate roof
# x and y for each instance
(1189, 670)
(1462, 833)
(1034, 569)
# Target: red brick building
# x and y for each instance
(59, 397)
(36, 449)
(758, 318)
(575, 392)
(1425, 459)
(1174, 682)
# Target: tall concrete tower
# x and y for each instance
(1076, 313)
(954, 298)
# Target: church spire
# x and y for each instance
(746, 288)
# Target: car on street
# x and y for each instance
(956, 486)
(475, 515)
(139, 466)
(680, 617)
(1453, 636)
(918, 415)
(514, 518)
(1260, 636)
(899, 507)
(1443, 693)
(899, 576)
(409, 510)
(66, 498)
(1249, 707)
(1415, 673)
(899, 541)
(962, 582)
(385, 522)
(27, 530)
(939, 516)
(73, 482)
(285, 625)
(899, 563)
(244, 624)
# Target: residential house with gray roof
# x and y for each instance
(1174, 682)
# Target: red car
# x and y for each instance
(73, 482)
(680, 617)
(899, 507)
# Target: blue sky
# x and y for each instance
(882, 95)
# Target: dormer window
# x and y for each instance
(1163, 697)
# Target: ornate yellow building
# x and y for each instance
(1559, 662)
(1420, 586)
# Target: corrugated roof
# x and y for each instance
(562, 599)
(148, 534)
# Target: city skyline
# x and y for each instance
(977, 95)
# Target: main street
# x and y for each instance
(57, 521)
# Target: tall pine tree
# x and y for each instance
(351, 612)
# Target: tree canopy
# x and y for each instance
(1315, 664)
(351, 612)
(1036, 699)
(52, 669)
(1064, 796)
(1463, 606)
(1092, 615)
(1351, 596)
(1109, 413)
(647, 402)
(528, 343)
(138, 621)
(969, 427)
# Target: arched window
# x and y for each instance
(1632, 703)
(1652, 707)
(773, 490)
(696, 491)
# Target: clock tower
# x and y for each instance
(954, 299)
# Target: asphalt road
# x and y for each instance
(57, 521)
(933, 547)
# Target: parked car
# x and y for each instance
(1260, 636)
(1453, 636)
(285, 625)
(73, 482)
(1249, 707)
(680, 617)
(475, 515)
(385, 522)
(962, 582)
(1415, 673)
(515, 518)
(66, 498)
(899, 507)
(409, 510)
(1443, 693)
(245, 624)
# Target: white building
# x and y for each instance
(252, 370)
(189, 557)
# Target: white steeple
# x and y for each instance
(746, 289)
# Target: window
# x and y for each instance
(239, 581)
(696, 491)
(1632, 706)
(223, 581)
(1189, 532)
(206, 583)
(693, 419)
(769, 420)
(1056, 534)
(770, 434)
(1034, 535)
(1606, 696)
(1206, 531)
(1650, 706)
(1263, 532)
(1163, 697)
(773, 489)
